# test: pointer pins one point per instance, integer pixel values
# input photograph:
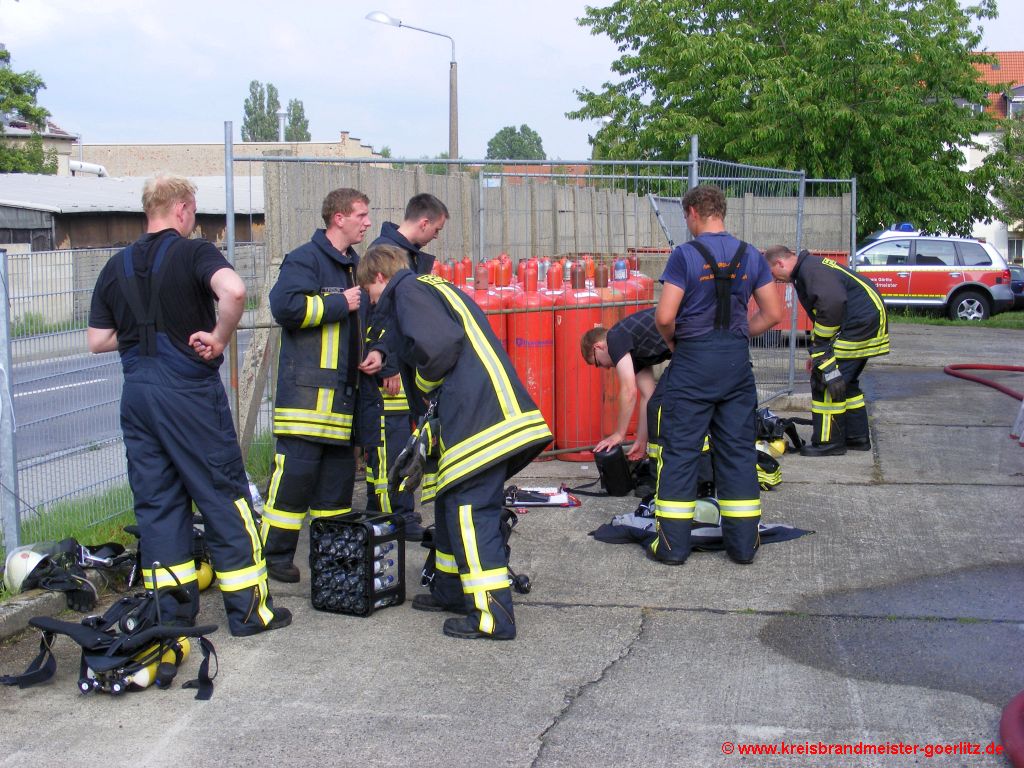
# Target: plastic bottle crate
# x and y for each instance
(356, 563)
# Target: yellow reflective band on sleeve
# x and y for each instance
(674, 510)
(485, 581)
(279, 518)
(170, 575)
(425, 385)
(242, 578)
(428, 490)
(314, 311)
(825, 331)
(444, 562)
(857, 401)
(740, 507)
(826, 363)
(330, 512)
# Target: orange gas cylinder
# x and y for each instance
(531, 343)
(503, 275)
(577, 385)
(492, 271)
(490, 300)
(467, 262)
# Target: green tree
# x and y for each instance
(297, 127)
(18, 92)
(511, 143)
(838, 88)
(260, 121)
(1009, 185)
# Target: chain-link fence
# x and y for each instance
(548, 249)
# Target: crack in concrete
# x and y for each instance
(575, 694)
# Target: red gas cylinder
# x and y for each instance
(610, 315)
(490, 300)
(460, 276)
(531, 343)
(577, 385)
(645, 285)
(443, 269)
(503, 271)
(492, 270)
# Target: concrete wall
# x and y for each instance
(208, 159)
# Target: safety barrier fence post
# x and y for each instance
(8, 452)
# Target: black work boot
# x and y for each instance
(282, 618)
(858, 443)
(430, 603)
(672, 547)
(824, 449)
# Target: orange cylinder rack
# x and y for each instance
(531, 342)
(577, 385)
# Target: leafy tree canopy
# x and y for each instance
(1009, 184)
(511, 143)
(260, 121)
(18, 101)
(297, 126)
(838, 88)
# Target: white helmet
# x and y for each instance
(20, 564)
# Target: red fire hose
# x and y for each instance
(954, 370)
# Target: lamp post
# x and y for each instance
(453, 78)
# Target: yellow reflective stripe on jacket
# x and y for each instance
(170, 575)
(303, 422)
(845, 349)
(485, 581)
(279, 518)
(242, 578)
(395, 403)
(503, 439)
(496, 372)
(740, 507)
(674, 510)
(445, 562)
(330, 512)
(314, 311)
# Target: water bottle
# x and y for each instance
(257, 500)
(382, 549)
(383, 582)
(384, 529)
(379, 566)
(384, 602)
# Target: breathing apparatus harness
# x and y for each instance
(132, 637)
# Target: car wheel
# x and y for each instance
(969, 305)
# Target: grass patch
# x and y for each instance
(34, 324)
(910, 316)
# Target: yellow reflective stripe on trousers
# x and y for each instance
(249, 521)
(242, 578)
(857, 401)
(827, 407)
(170, 575)
(279, 518)
(444, 562)
(468, 532)
(485, 581)
(330, 512)
(674, 510)
(740, 507)
(314, 311)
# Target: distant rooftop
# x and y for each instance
(90, 194)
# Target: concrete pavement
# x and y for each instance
(898, 622)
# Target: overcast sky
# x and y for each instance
(134, 71)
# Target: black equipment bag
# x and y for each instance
(613, 468)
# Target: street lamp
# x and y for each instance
(453, 78)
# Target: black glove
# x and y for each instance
(835, 384)
(409, 465)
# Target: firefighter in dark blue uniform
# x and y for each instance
(322, 316)
(709, 388)
(154, 303)
(850, 325)
(488, 430)
(425, 217)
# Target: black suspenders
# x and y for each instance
(147, 313)
(723, 282)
